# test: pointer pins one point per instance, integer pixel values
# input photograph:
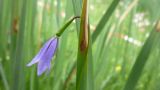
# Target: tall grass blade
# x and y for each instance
(83, 45)
(142, 59)
(4, 79)
(29, 39)
(60, 59)
(104, 19)
(4, 15)
(18, 73)
(90, 77)
(58, 13)
(77, 7)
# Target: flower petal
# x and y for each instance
(40, 53)
(43, 66)
(44, 63)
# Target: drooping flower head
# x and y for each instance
(44, 56)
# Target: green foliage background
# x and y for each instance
(125, 44)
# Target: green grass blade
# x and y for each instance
(18, 72)
(58, 13)
(60, 61)
(77, 7)
(4, 28)
(82, 60)
(29, 39)
(90, 80)
(4, 79)
(99, 51)
(141, 60)
(13, 36)
(104, 19)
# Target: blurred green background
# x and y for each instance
(125, 44)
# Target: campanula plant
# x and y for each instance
(44, 56)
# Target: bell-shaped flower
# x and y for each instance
(44, 56)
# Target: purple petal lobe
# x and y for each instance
(40, 53)
(46, 58)
(43, 66)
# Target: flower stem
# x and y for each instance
(82, 78)
(59, 33)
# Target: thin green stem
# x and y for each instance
(59, 33)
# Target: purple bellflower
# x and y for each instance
(44, 56)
